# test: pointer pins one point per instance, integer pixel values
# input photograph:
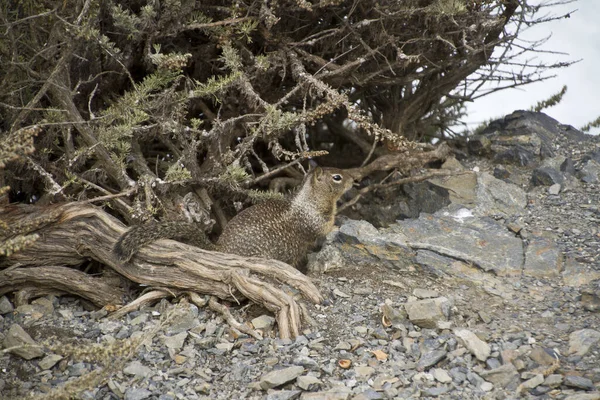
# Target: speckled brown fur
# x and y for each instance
(284, 230)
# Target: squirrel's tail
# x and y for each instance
(139, 236)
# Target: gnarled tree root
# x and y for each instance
(74, 233)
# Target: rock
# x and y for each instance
(283, 395)
(584, 396)
(16, 336)
(364, 371)
(264, 322)
(480, 349)
(480, 241)
(137, 394)
(436, 391)
(578, 382)
(553, 381)
(590, 300)
(358, 243)
(49, 361)
(427, 313)
(503, 376)
(45, 305)
(554, 189)
(531, 383)
(582, 340)
(307, 382)
(138, 369)
(479, 145)
(590, 172)
(441, 375)
(334, 394)
(578, 274)
(175, 342)
(279, 377)
(546, 176)
(425, 197)
(543, 258)
(543, 356)
(5, 305)
(431, 358)
(568, 166)
(184, 322)
(425, 293)
(484, 194)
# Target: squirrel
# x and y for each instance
(282, 229)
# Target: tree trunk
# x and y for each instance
(71, 234)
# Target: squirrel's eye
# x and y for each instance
(337, 177)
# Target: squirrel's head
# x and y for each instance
(330, 182)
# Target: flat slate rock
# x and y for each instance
(480, 241)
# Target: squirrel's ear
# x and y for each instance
(317, 173)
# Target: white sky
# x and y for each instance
(579, 36)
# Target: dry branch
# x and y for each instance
(85, 232)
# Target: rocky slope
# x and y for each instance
(487, 286)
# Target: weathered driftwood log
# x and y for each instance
(72, 234)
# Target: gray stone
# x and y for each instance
(175, 342)
(480, 349)
(436, 391)
(49, 361)
(333, 394)
(578, 274)
(532, 383)
(581, 341)
(137, 394)
(5, 305)
(486, 386)
(427, 313)
(543, 356)
(543, 258)
(480, 241)
(184, 322)
(590, 172)
(283, 395)
(279, 377)
(431, 358)
(496, 197)
(554, 189)
(546, 176)
(584, 396)
(590, 300)
(553, 380)
(307, 382)
(503, 376)
(441, 375)
(425, 293)
(578, 382)
(264, 322)
(484, 194)
(138, 369)
(360, 243)
(26, 347)
(364, 371)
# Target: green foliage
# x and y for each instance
(448, 7)
(593, 124)
(550, 101)
(17, 145)
(215, 85)
(177, 173)
(234, 175)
